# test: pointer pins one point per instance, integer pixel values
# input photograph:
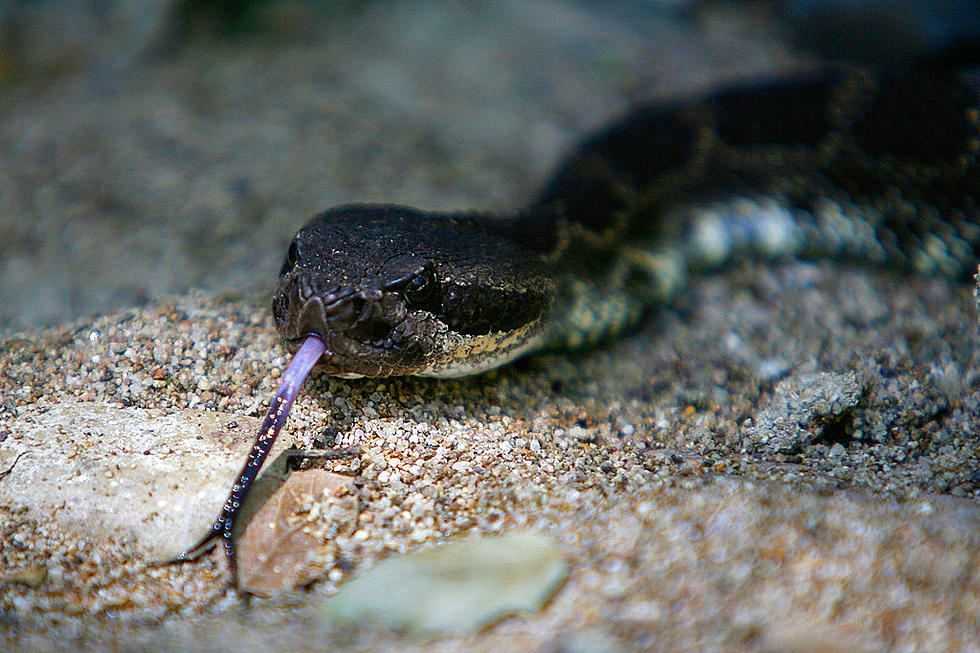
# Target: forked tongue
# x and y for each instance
(292, 379)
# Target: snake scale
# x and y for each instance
(840, 163)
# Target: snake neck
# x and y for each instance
(839, 164)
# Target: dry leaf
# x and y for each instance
(286, 543)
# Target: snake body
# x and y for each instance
(843, 164)
(836, 163)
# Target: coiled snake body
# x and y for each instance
(843, 164)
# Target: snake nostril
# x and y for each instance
(372, 331)
(357, 305)
(379, 330)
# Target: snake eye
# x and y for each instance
(421, 290)
(292, 258)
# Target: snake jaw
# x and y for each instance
(367, 332)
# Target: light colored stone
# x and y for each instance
(159, 476)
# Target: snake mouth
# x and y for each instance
(366, 332)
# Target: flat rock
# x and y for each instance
(109, 472)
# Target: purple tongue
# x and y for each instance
(292, 379)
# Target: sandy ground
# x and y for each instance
(784, 460)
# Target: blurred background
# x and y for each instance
(152, 146)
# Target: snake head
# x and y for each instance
(393, 291)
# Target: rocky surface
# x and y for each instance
(635, 458)
(785, 459)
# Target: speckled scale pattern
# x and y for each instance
(838, 164)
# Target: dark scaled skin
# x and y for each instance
(906, 145)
